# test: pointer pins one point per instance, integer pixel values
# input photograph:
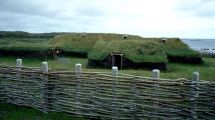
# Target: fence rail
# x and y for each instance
(107, 95)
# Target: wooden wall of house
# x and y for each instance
(127, 64)
(105, 63)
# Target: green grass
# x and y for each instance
(180, 70)
(177, 48)
(175, 70)
(13, 112)
(24, 44)
(75, 43)
(14, 40)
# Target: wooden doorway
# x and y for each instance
(117, 60)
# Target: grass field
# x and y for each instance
(24, 44)
(175, 70)
(13, 112)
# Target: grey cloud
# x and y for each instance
(24, 14)
(32, 8)
(113, 16)
(199, 8)
(90, 11)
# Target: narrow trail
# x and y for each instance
(63, 60)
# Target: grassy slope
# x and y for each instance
(177, 48)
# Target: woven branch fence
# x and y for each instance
(107, 95)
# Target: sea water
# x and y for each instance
(202, 45)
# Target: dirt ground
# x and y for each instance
(63, 60)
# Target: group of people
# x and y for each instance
(59, 52)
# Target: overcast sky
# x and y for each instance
(146, 18)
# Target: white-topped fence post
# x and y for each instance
(45, 87)
(78, 72)
(114, 71)
(114, 92)
(155, 88)
(18, 64)
(78, 69)
(45, 67)
(155, 73)
(194, 94)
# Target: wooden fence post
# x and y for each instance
(114, 91)
(78, 72)
(194, 94)
(78, 69)
(155, 73)
(45, 67)
(134, 98)
(156, 76)
(114, 71)
(19, 62)
(45, 87)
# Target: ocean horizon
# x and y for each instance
(203, 45)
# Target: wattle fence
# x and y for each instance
(107, 95)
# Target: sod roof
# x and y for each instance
(74, 42)
(135, 48)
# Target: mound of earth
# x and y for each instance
(63, 60)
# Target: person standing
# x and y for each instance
(57, 52)
(60, 53)
(51, 52)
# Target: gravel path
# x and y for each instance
(63, 60)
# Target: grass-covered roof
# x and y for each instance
(75, 43)
(177, 48)
(135, 50)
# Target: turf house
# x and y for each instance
(105, 50)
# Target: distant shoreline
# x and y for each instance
(206, 51)
(206, 45)
(195, 40)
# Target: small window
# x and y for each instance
(164, 40)
(125, 36)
